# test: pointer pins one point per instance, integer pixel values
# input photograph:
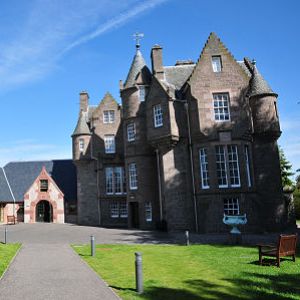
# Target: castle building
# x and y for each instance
(190, 143)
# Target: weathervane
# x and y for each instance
(138, 36)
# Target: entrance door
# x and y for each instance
(43, 212)
(134, 212)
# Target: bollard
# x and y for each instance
(92, 245)
(187, 237)
(139, 272)
(5, 235)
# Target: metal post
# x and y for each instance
(187, 237)
(92, 245)
(139, 272)
(5, 235)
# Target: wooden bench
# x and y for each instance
(286, 246)
(11, 220)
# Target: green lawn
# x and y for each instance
(194, 272)
(7, 252)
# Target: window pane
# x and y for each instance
(142, 93)
(108, 116)
(123, 210)
(248, 165)
(216, 63)
(221, 107)
(131, 132)
(132, 176)
(109, 141)
(148, 211)
(118, 180)
(114, 209)
(44, 185)
(221, 166)
(233, 164)
(109, 180)
(157, 116)
(204, 168)
(81, 145)
(231, 206)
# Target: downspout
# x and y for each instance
(186, 106)
(159, 185)
(97, 177)
(12, 194)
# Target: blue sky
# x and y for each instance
(50, 50)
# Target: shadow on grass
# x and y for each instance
(248, 286)
(121, 288)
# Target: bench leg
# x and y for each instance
(278, 261)
(294, 257)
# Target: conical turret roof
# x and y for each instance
(258, 85)
(137, 66)
(82, 127)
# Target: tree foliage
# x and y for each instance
(286, 169)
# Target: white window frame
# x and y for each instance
(216, 63)
(115, 181)
(123, 209)
(228, 168)
(221, 106)
(231, 206)
(148, 211)
(81, 145)
(114, 209)
(221, 166)
(142, 93)
(204, 168)
(233, 166)
(247, 159)
(108, 116)
(131, 132)
(110, 143)
(157, 116)
(132, 172)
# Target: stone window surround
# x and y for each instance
(216, 63)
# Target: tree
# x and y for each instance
(286, 169)
(298, 180)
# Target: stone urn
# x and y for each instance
(234, 221)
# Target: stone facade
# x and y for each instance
(190, 142)
(50, 194)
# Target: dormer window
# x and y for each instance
(216, 64)
(109, 143)
(157, 115)
(142, 93)
(108, 116)
(81, 145)
(43, 185)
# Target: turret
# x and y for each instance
(134, 90)
(81, 138)
(263, 103)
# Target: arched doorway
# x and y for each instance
(44, 212)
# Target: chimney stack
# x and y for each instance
(157, 63)
(84, 101)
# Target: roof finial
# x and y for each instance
(138, 36)
(253, 62)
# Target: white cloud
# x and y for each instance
(54, 27)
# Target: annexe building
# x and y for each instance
(38, 191)
(190, 143)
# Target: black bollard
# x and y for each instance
(187, 237)
(5, 235)
(92, 245)
(139, 272)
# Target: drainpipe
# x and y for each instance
(159, 185)
(97, 177)
(186, 106)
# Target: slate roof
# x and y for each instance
(137, 65)
(21, 176)
(258, 85)
(5, 194)
(178, 75)
(82, 127)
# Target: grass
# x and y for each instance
(7, 252)
(194, 272)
